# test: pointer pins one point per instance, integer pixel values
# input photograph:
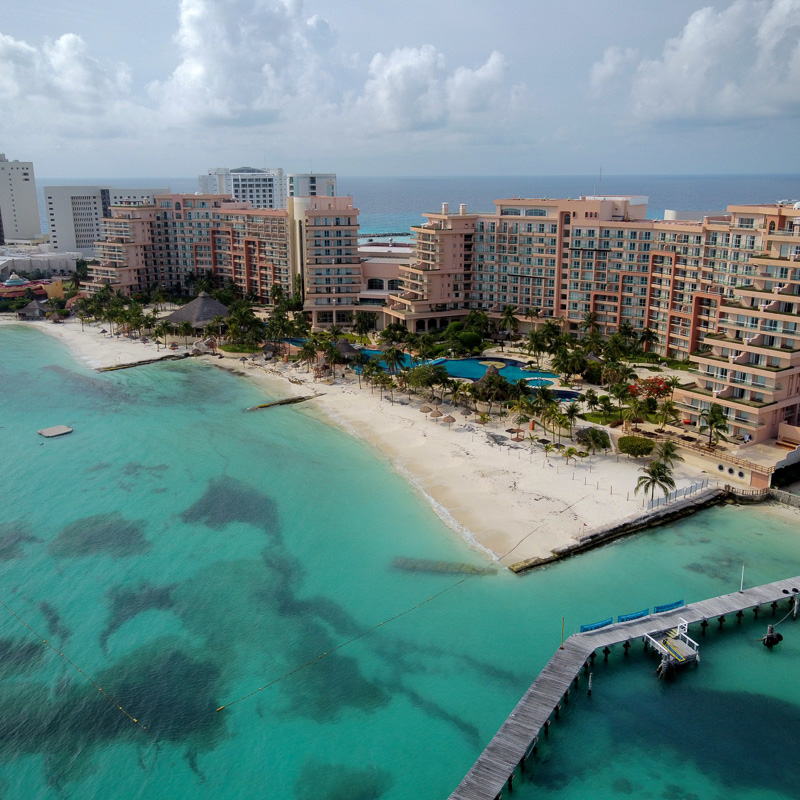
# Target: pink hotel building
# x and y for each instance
(723, 290)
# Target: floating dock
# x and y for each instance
(519, 734)
(56, 430)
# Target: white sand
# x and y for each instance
(510, 501)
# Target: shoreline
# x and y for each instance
(510, 502)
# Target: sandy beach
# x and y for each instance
(509, 500)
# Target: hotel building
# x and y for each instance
(74, 213)
(699, 284)
(262, 188)
(311, 184)
(19, 208)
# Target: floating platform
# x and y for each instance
(56, 430)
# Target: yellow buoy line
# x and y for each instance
(343, 644)
(77, 669)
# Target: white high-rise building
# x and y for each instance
(311, 184)
(263, 188)
(74, 213)
(19, 209)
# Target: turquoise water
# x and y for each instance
(184, 553)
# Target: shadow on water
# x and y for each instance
(127, 603)
(109, 534)
(319, 781)
(227, 500)
(12, 535)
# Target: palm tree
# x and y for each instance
(668, 412)
(162, 329)
(647, 337)
(569, 453)
(308, 354)
(674, 382)
(667, 452)
(620, 392)
(634, 411)
(507, 319)
(712, 419)
(363, 323)
(358, 362)
(536, 344)
(589, 322)
(657, 475)
(393, 357)
(606, 407)
(219, 322)
(590, 398)
(185, 329)
(571, 413)
(532, 314)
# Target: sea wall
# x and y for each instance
(677, 510)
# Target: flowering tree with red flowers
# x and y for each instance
(655, 387)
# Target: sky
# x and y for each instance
(105, 88)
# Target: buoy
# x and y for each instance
(772, 638)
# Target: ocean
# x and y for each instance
(390, 205)
(182, 556)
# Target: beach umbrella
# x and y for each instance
(517, 438)
(465, 412)
(543, 441)
(559, 446)
(243, 360)
(448, 420)
(425, 409)
(435, 413)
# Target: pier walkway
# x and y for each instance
(520, 732)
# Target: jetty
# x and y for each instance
(130, 365)
(518, 736)
(56, 430)
(287, 401)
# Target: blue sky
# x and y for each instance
(172, 87)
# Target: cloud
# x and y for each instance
(410, 89)
(60, 77)
(742, 62)
(244, 61)
(613, 64)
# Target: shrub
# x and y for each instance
(636, 446)
(469, 339)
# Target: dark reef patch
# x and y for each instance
(12, 535)
(109, 534)
(762, 753)
(323, 690)
(319, 781)
(17, 656)
(173, 693)
(227, 500)
(127, 603)
(53, 619)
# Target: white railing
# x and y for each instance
(656, 502)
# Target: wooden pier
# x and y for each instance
(519, 734)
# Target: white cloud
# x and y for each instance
(411, 89)
(738, 63)
(244, 61)
(60, 77)
(614, 62)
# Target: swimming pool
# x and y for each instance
(475, 368)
